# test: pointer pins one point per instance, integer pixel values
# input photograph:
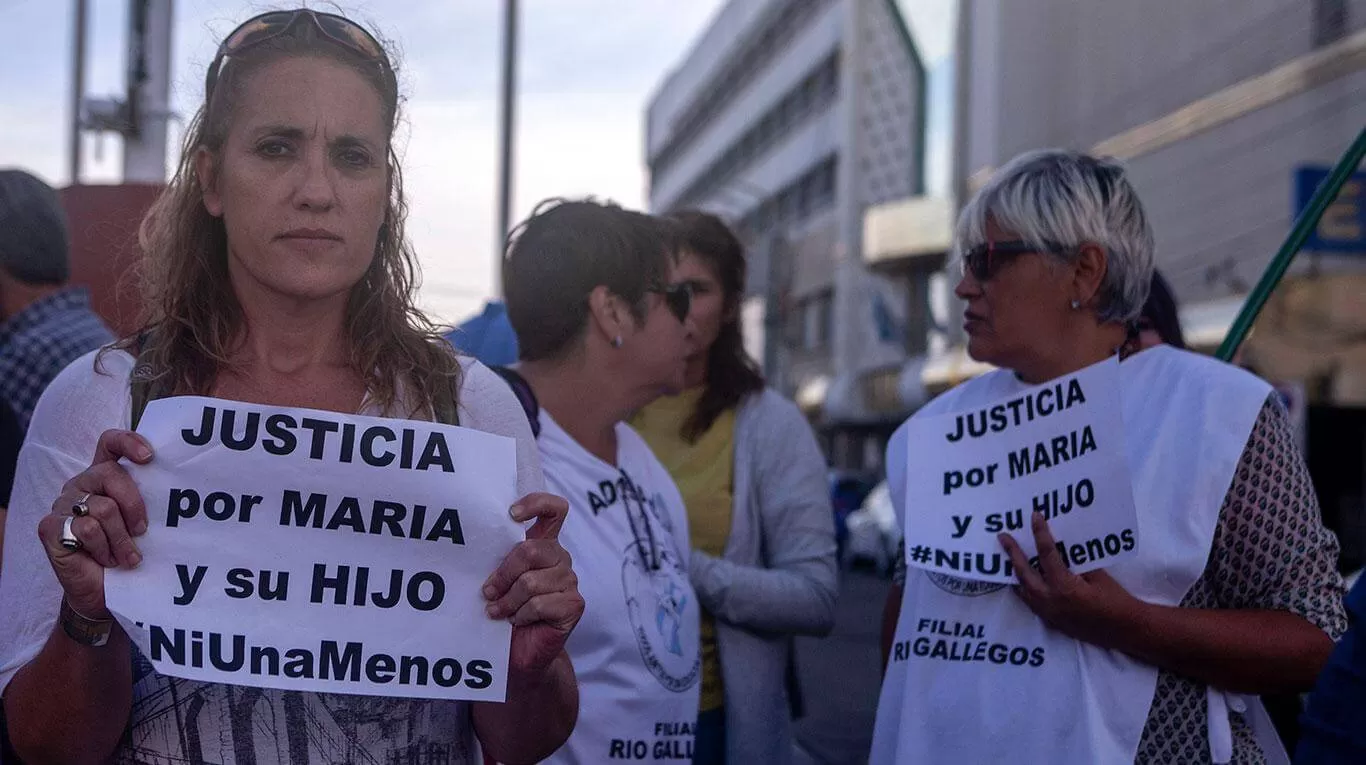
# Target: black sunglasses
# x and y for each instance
(985, 260)
(268, 26)
(678, 297)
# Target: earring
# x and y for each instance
(1076, 305)
(616, 341)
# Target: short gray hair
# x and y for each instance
(33, 236)
(1067, 198)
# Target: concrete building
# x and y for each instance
(1219, 111)
(790, 118)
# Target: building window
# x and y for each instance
(813, 192)
(1330, 21)
(811, 323)
(783, 23)
(817, 314)
(780, 120)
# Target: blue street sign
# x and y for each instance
(1342, 229)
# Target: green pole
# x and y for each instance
(1308, 220)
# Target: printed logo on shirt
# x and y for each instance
(661, 605)
(609, 493)
(964, 587)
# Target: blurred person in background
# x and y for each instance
(44, 323)
(276, 272)
(1160, 322)
(602, 327)
(1331, 730)
(754, 482)
(1234, 589)
(11, 437)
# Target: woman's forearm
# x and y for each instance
(1244, 651)
(70, 705)
(798, 598)
(535, 721)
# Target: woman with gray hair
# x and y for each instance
(1228, 587)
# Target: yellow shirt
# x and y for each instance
(705, 474)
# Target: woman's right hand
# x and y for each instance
(117, 515)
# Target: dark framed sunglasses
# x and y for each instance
(678, 297)
(985, 260)
(338, 30)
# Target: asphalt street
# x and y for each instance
(840, 677)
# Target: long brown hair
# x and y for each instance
(731, 374)
(192, 321)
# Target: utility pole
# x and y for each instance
(848, 341)
(148, 106)
(507, 119)
(77, 91)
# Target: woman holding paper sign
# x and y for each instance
(1231, 590)
(277, 274)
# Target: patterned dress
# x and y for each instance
(1270, 551)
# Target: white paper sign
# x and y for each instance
(1057, 447)
(316, 551)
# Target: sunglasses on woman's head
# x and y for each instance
(678, 297)
(268, 26)
(985, 260)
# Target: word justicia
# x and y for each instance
(279, 435)
(1026, 408)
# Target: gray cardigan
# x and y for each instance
(777, 578)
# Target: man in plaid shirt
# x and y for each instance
(44, 324)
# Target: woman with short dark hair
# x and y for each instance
(753, 479)
(602, 324)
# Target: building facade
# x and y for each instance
(1220, 112)
(789, 118)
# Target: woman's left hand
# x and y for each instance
(1092, 607)
(535, 588)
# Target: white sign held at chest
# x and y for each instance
(1056, 448)
(316, 551)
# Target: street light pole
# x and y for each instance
(507, 118)
(77, 91)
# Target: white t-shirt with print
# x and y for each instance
(178, 720)
(636, 651)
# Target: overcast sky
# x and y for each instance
(587, 69)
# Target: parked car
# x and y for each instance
(873, 535)
(848, 488)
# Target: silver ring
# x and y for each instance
(69, 540)
(81, 508)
